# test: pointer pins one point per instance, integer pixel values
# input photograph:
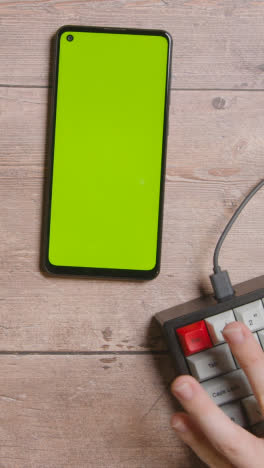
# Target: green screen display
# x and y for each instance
(108, 150)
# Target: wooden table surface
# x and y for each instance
(84, 373)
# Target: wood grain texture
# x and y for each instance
(112, 410)
(215, 155)
(88, 412)
(216, 44)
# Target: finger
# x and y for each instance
(240, 448)
(249, 355)
(195, 439)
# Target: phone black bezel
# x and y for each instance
(106, 272)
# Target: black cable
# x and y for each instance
(231, 222)
(220, 279)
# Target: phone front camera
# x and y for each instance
(69, 38)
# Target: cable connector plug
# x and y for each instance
(222, 286)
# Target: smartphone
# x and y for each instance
(108, 150)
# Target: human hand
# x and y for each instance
(213, 436)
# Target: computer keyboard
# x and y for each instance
(198, 348)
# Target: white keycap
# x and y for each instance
(252, 410)
(217, 323)
(257, 339)
(235, 412)
(261, 337)
(228, 387)
(252, 315)
(212, 362)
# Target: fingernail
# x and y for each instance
(234, 335)
(178, 425)
(183, 391)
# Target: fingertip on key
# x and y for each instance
(235, 332)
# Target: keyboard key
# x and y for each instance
(235, 412)
(261, 337)
(228, 387)
(217, 323)
(252, 409)
(212, 362)
(194, 338)
(252, 315)
(258, 429)
(257, 339)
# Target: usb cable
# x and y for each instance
(220, 280)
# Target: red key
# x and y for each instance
(194, 338)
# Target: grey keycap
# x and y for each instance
(211, 362)
(217, 323)
(252, 409)
(252, 315)
(228, 387)
(258, 429)
(235, 412)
